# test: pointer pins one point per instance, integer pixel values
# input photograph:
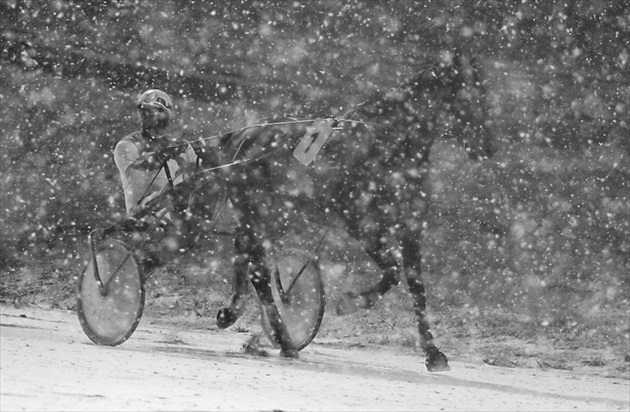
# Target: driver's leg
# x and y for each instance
(141, 235)
(164, 240)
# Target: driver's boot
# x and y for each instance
(150, 263)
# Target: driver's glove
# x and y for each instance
(170, 152)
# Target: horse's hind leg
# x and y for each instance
(379, 252)
(250, 258)
(435, 360)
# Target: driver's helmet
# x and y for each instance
(156, 98)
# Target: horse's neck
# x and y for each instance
(407, 116)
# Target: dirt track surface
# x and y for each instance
(49, 364)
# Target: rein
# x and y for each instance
(204, 142)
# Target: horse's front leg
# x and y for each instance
(228, 316)
(251, 249)
(251, 257)
(435, 360)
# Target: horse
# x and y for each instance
(379, 185)
(374, 179)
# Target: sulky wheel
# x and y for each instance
(110, 314)
(298, 292)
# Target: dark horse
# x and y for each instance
(374, 178)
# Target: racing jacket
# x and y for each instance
(140, 179)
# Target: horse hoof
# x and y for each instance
(348, 303)
(226, 318)
(436, 361)
(289, 353)
(252, 347)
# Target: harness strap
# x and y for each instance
(167, 170)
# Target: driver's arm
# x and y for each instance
(127, 156)
(148, 161)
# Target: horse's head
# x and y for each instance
(460, 107)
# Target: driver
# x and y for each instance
(140, 158)
(139, 155)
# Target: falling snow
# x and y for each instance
(542, 228)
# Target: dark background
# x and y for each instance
(539, 233)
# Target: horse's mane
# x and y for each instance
(426, 74)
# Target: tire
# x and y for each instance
(303, 309)
(111, 318)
